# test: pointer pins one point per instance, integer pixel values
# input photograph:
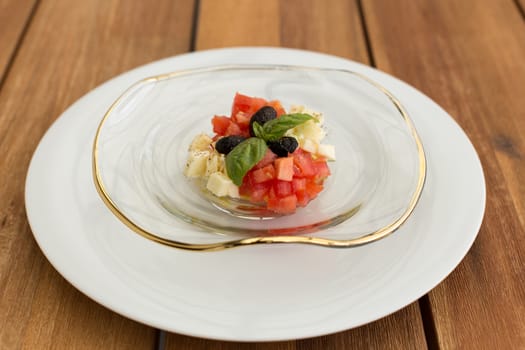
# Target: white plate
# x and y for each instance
(258, 293)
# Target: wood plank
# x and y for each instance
(14, 16)
(401, 330)
(181, 342)
(333, 27)
(468, 56)
(220, 23)
(69, 48)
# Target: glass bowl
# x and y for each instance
(140, 151)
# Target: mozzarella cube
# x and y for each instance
(313, 131)
(327, 151)
(221, 185)
(309, 130)
(215, 163)
(201, 142)
(233, 191)
(196, 164)
(309, 145)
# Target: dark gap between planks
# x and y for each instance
(19, 42)
(520, 8)
(429, 326)
(368, 42)
(194, 26)
(160, 335)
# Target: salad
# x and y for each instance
(263, 154)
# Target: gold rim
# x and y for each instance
(334, 243)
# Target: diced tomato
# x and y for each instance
(224, 126)
(302, 198)
(256, 193)
(299, 184)
(265, 183)
(259, 192)
(245, 189)
(233, 129)
(247, 104)
(263, 174)
(321, 169)
(286, 205)
(220, 124)
(247, 185)
(282, 188)
(304, 164)
(284, 168)
(272, 200)
(268, 158)
(242, 119)
(313, 188)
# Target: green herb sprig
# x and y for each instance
(244, 157)
(274, 129)
(249, 152)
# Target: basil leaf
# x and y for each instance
(274, 129)
(244, 157)
(258, 130)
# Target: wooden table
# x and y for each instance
(467, 55)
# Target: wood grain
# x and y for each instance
(225, 23)
(181, 342)
(333, 27)
(401, 330)
(69, 48)
(473, 66)
(14, 15)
